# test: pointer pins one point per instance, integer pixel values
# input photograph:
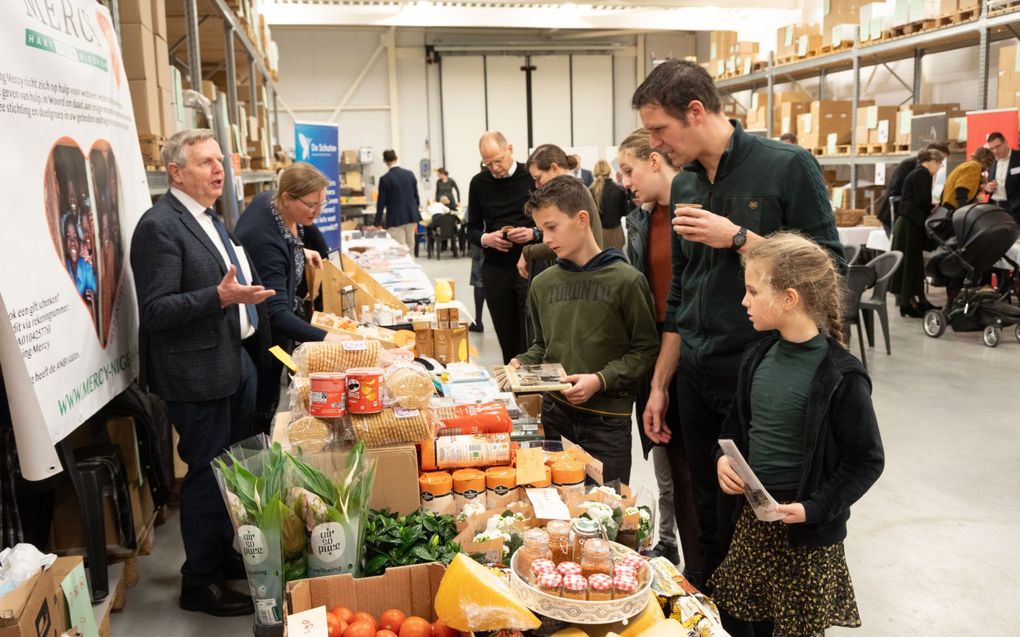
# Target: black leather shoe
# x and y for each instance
(476, 327)
(216, 600)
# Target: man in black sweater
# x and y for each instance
(496, 222)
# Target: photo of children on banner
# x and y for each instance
(75, 191)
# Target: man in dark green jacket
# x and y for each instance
(734, 189)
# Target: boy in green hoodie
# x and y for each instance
(592, 313)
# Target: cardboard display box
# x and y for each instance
(37, 608)
(395, 485)
(136, 12)
(828, 123)
(876, 124)
(720, 43)
(411, 589)
(788, 39)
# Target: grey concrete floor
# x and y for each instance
(932, 548)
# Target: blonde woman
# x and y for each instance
(613, 204)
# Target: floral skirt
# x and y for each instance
(802, 590)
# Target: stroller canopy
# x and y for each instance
(981, 235)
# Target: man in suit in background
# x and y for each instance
(201, 329)
(1004, 176)
(398, 199)
(585, 175)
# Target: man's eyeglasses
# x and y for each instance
(488, 165)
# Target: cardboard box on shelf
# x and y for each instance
(907, 112)
(809, 45)
(209, 90)
(874, 18)
(837, 13)
(35, 608)
(788, 37)
(869, 120)
(162, 63)
(1008, 77)
(720, 43)
(395, 485)
(788, 113)
(145, 101)
(350, 157)
(140, 48)
(136, 12)
(159, 18)
(827, 117)
(412, 589)
(167, 113)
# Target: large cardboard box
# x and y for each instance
(395, 485)
(411, 589)
(1008, 77)
(34, 609)
(828, 123)
(159, 18)
(136, 12)
(788, 114)
(788, 38)
(838, 13)
(870, 126)
(139, 48)
(145, 100)
(167, 113)
(904, 119)
(163, 79)
(720, 43)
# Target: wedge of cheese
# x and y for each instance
(470, 598)
(667, 628)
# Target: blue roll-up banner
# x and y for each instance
(319, 145)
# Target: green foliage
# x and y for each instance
(401, 540)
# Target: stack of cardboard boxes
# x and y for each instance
(786, 106)
(876, 125)
(827, 124)
(798, 40)
(445, 340)
(147, 67)
(1009, 77)
(839, 21)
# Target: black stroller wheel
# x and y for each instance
(991, 335)
(935, 323)
(1016, 332)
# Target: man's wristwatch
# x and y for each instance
(740, 238)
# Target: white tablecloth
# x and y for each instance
(855, 236)
(878, 240)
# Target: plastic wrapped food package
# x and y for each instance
(298, 393)
(408, 385)
(310, 434)
(336, 357)
(392, 426)
(395, 355)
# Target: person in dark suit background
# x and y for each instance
(1004, 176)
(398, 199)
(583, 174)
(202, 330)
(272, 230)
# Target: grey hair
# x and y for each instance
(173, 151)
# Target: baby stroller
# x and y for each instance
(971, 241)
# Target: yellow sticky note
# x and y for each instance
(284, 357)
(530, 465)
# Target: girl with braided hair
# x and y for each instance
(804, 420)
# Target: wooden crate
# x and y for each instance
(152, 146)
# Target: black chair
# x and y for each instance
(858, 280)
(443, 230)
(850, 253)
(885, 265)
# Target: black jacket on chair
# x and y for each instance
(398, 198)
(189, 346)
(260, 235)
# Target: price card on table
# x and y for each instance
(547, 504)
(530, 465)
(79, 602)
(308, 623)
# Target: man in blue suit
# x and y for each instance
(398, 201)
(202, 334)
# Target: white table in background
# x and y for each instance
(855, 235)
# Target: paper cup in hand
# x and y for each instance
(676, 208)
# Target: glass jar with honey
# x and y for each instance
(536, 547)
(559, 541)
(596, 557)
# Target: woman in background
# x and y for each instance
(613, 205)
(909, 237)
(446, 187)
